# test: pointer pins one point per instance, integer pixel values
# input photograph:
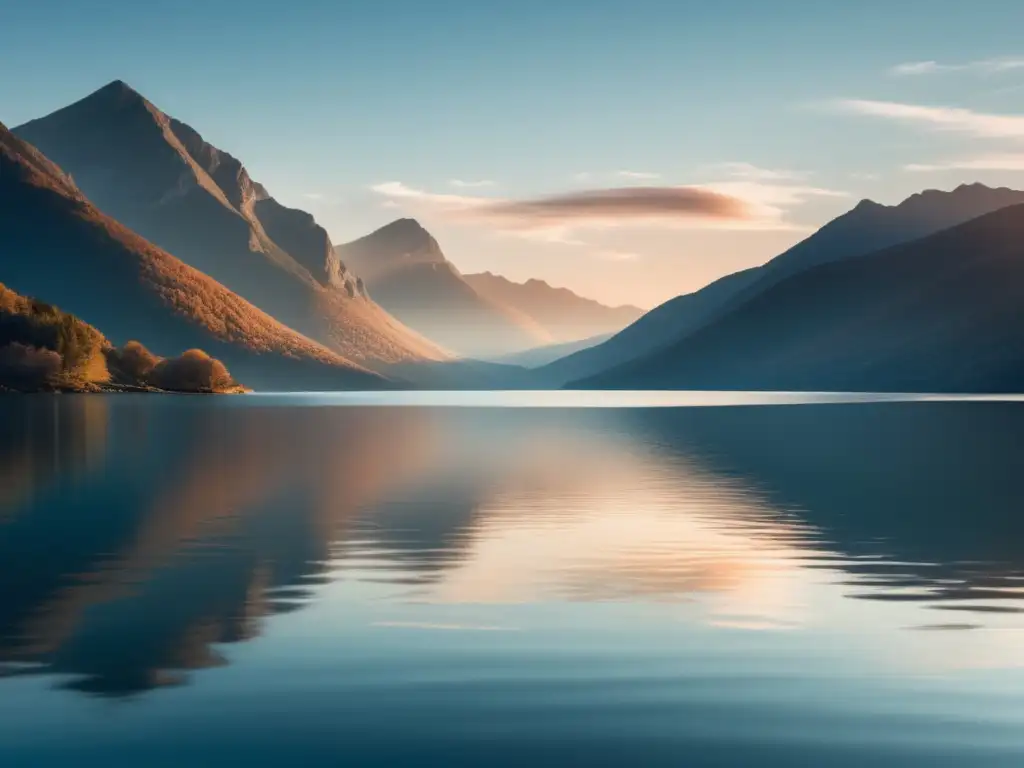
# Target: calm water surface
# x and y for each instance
(364, 581)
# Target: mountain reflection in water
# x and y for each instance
(139, 536)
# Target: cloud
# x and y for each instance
(995, 162)
(556, 234)
(471, 184)
(638, 175)
(313, 196)
(769, 202)
(600, 207)
(622, 204)
(735, 204)
(632, 175)
(865, 176)
(768, 192)
(983, 67)
(992, 128)
(917, 68)
(755, 173)
(951, 119)
(397, 190)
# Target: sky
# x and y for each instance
(628, 150)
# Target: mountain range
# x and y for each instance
(866, 228)
(564, 315)
(406, 271)
(55, 244)
(537, 357)
(157, 176)
(127, 218)
(944, 313)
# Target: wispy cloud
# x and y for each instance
(987, 128)
(733, 204)
(993, 162)
(753, 172)
(638, 175)
(770, 202)
(584, 176)
(952, 119)
(473, 209)
(769, 192)
(917, 68)
(624, 203)
(462, 184)
(555, 234)
(982, 66)
(313, 196)
(584, 208)
(397, 191)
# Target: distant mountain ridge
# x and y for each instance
(866, 228)
(55, 243)
(540, 356)
(406, 271)
(159, 177)
(943, 313)
(567, 316)
(401, 244)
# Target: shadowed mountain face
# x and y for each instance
(938, 314)
(562, 313)
(159, 177)
(408, 274)
(55, 243)
(867, 228)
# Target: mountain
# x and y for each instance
(866, 228)
(566, 316)
(55, 243)
(539, 356)
(938, 314)
(407, 273)
(157, 176)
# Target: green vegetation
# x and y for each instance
(44, 349)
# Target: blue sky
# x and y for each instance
(361, 111)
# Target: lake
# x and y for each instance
(511, 579)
